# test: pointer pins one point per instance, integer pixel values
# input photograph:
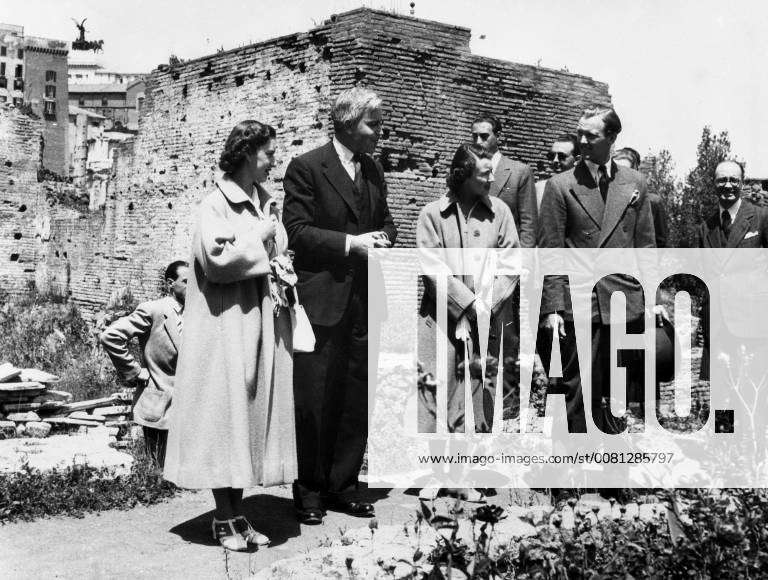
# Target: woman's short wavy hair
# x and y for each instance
(245, 138)
(351, 105)
(463, 165)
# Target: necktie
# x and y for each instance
(602, 181)
(725, 223)
(356, 159)
(180, 321)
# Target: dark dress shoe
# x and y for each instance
(310, 516)
(360, 509)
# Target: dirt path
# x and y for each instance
(172, 540)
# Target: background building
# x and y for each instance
(432, 86)
(33, 73)
(110, 94)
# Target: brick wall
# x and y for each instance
(23, 210)
(432, 87)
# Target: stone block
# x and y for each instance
(26, 417)
(38, 429)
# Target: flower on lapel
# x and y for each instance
(635, 197)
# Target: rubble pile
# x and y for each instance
(30, 406)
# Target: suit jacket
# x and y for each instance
(573, 215)
(659, 213)
(156, 325)
(514, 185)
(319, 211)
(749, 229)
(740, 274)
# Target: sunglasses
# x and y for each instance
(560, 156)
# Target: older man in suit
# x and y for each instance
(157, 325)
(597, 204)
(736, 223)
(513, 181)
(335, 211)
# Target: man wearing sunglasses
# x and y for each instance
(561, 157)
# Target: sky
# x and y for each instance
(672, 66)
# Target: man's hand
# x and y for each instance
(555, 323)
(359, 245)
(143, 375)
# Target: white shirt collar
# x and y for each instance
(733, 210)
(495, 161)
(345, 156)
(593, 167)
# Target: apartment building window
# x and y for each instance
(81, 102)
(104, 102)
(50, 76)
(49, 109)
(3, 83)
(3, 51)
(50, 91)
(20, 53)
(19, 71)
(2, 69)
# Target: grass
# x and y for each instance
(30, 494)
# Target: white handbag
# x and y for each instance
(303, 336)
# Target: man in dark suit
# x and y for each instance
(737, 223)
(513, 181)
(561, 157)
(597, 204)
(629, 157)
(335, 210)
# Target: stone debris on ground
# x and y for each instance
(31, 407)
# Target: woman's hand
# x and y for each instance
(267, 230)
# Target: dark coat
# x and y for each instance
(319, 211)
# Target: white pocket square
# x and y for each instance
(750, 235)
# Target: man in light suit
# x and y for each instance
(597, 204)
(157, 325)
(513, 181)
(335, 210)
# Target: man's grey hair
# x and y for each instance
(351, 105)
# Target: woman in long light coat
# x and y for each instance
(233, 420)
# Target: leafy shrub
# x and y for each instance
(44, 331)
(30, 493)
(721, 534)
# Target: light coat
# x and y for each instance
(233, 423)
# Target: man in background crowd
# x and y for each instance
(628, 157)
(561, 157)
(157, 325)
(512, 180)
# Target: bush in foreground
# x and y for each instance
(77, 489)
